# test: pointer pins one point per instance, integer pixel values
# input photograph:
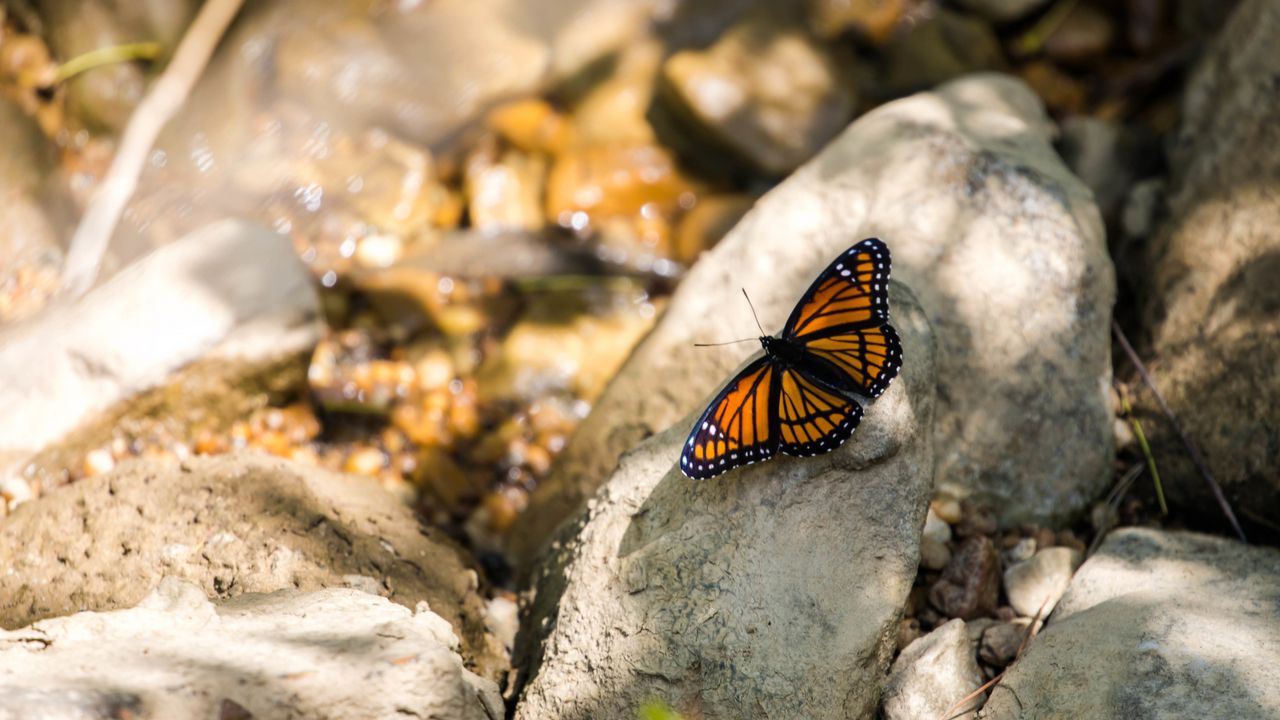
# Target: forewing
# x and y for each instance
(852, 291)
(737, 427)
(811, 419)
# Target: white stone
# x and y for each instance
(931, 675)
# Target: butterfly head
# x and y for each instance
(769, 343)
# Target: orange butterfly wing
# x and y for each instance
(737, 428)
(811, 419)
(843, 319)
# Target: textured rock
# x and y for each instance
(1000, 643)
(231, 525)
(1040, 580)
(1004, 248)
(713, 594)
(230, 293)
(970, 583)
(931, 675)
(1156, 625)
(333, 653)
(1212, 305)
(765, 91)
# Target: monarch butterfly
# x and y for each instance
(795, 398)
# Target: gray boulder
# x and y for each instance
(1002, 245)
(1212, 305)
(774, 590)
(230, 525)
(338, 654)
(1156, 625)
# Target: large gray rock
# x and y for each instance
(1003, 247)
(772, 591)
(231, 294)
(232, 524)
(932, 675)
(1156, 625)
(1212, 306)
(326, 654)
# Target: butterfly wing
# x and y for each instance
(812, 419)
(738, 426)
(843, 319)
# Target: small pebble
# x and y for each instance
(1000, 643)
(970, 584)
(936, 528)
(976, 519)
(1023, 549)
(1068, 539)
(934, 555)
(1041, 580)
(947, 509)
(365, 461)
(379, 251)
(908, 631)
(98, 461)
(1045, 538)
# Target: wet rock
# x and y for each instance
(230, 525)
(1156, 624)
(970, 584)
(504, 191)
(332, 653)
(931, 675)
(1000, 644)
(870, 20)
(666, 583)
(709, 221)
(226, 303)
(939, 49)
(29, 235)
(766, 92)
(1001, 11)
(1211, 301)
(1039, 582)
(935, 176)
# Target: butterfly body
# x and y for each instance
(798, 397)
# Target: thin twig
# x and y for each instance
(89, 244)
(1192, 450)
(1030, 42)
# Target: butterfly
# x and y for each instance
(795, 398)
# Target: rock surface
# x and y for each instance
(774, 590)
(1156, 625)
(1005, 250)
(230, 293)
(1213, 304)
(931, 675)
(333, 653)
(1039, 581)
(766, 92)
(231, 525)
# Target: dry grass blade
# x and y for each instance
(1192, 450)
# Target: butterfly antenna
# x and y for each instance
(753, 311)
(731, 342)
